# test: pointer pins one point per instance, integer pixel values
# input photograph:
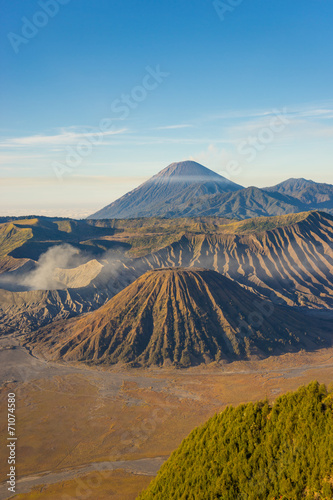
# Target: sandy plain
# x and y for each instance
(88, 433)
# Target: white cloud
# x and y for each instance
(290, 126)
(237, 114)
(323, 111)
(172, 127)
(160, 140)
(10, 158)
(63, 138)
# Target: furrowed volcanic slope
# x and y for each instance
(287, 259)
(181, 317)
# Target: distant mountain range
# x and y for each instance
(307, 192)
(188, 189)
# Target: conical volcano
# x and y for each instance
(180, 317)
(177, 184)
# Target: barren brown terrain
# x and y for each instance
(284, 258)
(100, 431)
(108, 431)
(181, 317)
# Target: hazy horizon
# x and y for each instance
(108, 187)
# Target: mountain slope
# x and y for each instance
(177, 184)
(256, 452)
(188, 189)
(30, 237)
(312, 194)
(287, 258)
(180, 317)
(241, 204)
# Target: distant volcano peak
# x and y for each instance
(187, 168)
(179, 183)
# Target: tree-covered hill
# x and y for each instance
(256, 452)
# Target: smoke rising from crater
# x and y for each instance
(42, 278)
(49, 272)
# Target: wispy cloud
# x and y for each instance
(172, 127)
(63, 138)
(322, 111)
(301, 123)
(137, 140)
(238, 114)
(296, 129)
(51, 181)
(12, 158)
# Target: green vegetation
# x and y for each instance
(256, 452)
(261, 224)
(30, 237)
(12, 237)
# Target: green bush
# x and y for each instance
(256, 452)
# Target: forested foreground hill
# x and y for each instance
(256, 452)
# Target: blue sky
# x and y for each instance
(98, 96)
